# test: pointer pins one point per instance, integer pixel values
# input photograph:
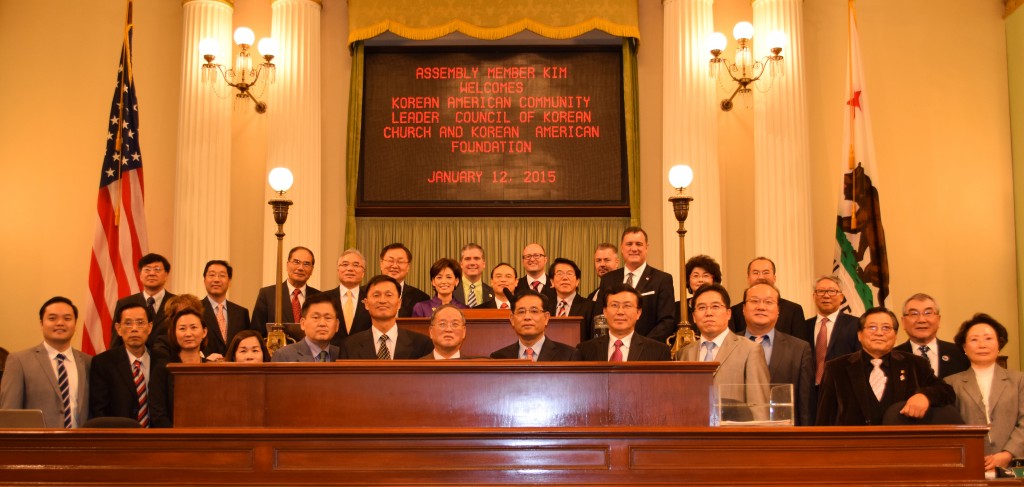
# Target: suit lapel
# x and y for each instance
(970, 384)
(1000, 382)
(402, 345)
(900, 370)
(44, 363)
(644, 281)
(602, 346)
(286, 300)
(859, 383)
(780, 354)
(636, 349)
(546, 351)
(125, 371)
(210, 317)
(727, 347)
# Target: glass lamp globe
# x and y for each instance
(680, 176)
(716, 42)
(743, 30)
(267, 47)
(209, 47)
(280, 179)
(244, 35)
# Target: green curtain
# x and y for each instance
(631, 112)
(355, 133)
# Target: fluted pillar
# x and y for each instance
(202, 185)
(782, 193)
(690, 130)
(293, 139)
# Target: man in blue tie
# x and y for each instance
(319, 322)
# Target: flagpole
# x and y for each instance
(126, 67)
(849, 70)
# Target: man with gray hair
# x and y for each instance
(347, 296)
(830, 332)
(921, 321)
(447, 331)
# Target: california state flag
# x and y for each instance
(860, 258)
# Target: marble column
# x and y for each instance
(202, 185)
(690, 131)
(782, 194)
(293, 139)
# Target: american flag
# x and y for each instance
(121, 237)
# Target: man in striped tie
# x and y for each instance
(120, 379)
(565, 278)
(472, 290)
(51, 376)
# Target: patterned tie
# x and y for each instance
(382, 349)
(142, 393)
(222, 322)
(529, 355)
(322, 356)
(820, 349)
(563, 308)
(65, 388)
(629, 279)
(756, 338)
(349, 310)
(708, 356)
(471, 299)
(296, 306)
(617, 354)
(536, 286)
(152, 305)
(924, 353)
(504, 306)
(877, 378)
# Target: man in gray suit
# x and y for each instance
(788, 357)
(319, 322)
(51, 376)
(742, 374)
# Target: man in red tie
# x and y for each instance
(503, 283)
(565, 278)
(223, 318)
(535, 261)
(293, 293)
(831, 332)
(622, 344)
(529, 320)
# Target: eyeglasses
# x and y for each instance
(346, 265)
(134, 323)
(571, 274)
(379, 296)
(444, 325)
(317, 318)
(827, 292)
(390, 262)
(530, 311)
(759, 302)
(928, 313)
(621, 306)
(152, 269)
(875, 329)
(714, 308)
(533, 256)
(301, 263)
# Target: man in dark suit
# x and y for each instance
(921, 322)
(503, 283)
(535, 261)
(347, 296)
(52, 376)
(319, 320)
(154, 269)
(657, 293)
(395, 260)
(623, 344)
(384, 340)
(606, 259)
(831, 332)
(294, 292)
(789, 358)
(791, 315)
(565, 278)
(859, 387)
(472, 290)
(529, 320)
(223, 318)
(120, 378)
(447, 332)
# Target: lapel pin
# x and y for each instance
(902, 376)
(945, 358)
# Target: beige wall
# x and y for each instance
(941, 133)
(1015, 75)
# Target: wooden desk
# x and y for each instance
(488, 330)
(442, 394)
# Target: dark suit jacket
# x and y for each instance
(551, 351)
(263, 311)
(410, 345)
(238, 320)
(658, 297)
(580, 307)
(410, 296)
(159, 332)
(641, 349)
(846, 398)
(792, 363)
(843, 340)
(546, 289)
(112, 388)
(361, 322)
(791, 319)
(460, 293)
(952, 359)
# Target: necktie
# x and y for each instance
(471, 299)
(349, 309)
(820, 349)
(924, 353)
(322, 356)
(529, 354)
(756, 338)
(563, 308)
(504, 306)
(382, 349)
(142, 393)
(536, 286)
(152, 305)
(222, 322)
(65, 388)
(629, 279)
(296, 306)
(877, 378)
(617, 354)
(708, 355)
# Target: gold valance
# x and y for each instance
(491, 19)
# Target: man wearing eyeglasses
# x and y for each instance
(447, 331)
(831, 333)
(294, 292)
(347, 296)
(319, 322)
(154, 270)
(535, 261)
(384, 340)
(791, 315)
(529, 320)
(565, 277)
(395, 260)
(622, 343)
(858, 388)
(921, 321)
